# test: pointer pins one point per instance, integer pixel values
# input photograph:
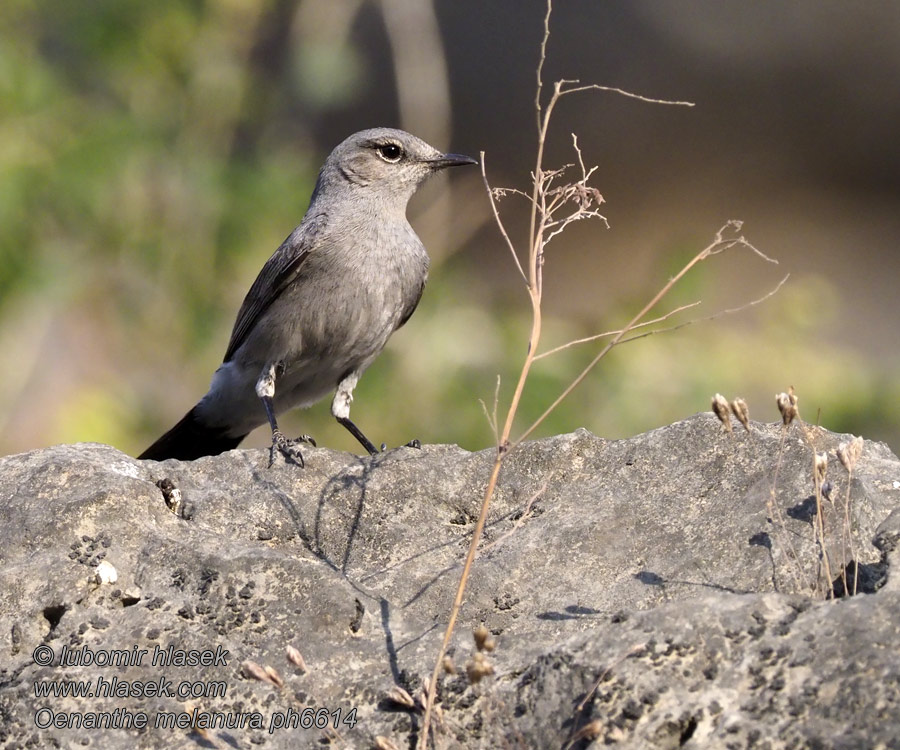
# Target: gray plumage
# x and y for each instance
(325, 303)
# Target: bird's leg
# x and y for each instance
(340, 409)
(265, 389)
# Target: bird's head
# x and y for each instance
(385, 164)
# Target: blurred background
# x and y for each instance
(153, 155)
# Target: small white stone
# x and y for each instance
(125, 469)
(106, 573)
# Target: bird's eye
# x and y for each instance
(390, 152)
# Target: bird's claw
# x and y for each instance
(287, 448)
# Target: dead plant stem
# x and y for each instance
(702, 255)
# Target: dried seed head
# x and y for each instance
(202, 733)
(383, 743)
(422, 694)
(481, 635)
(399, 697)
(295, 658)
(741, 411)
(787, 405)
(255, 672)
(274, 677)
(720, 409)
(821, 467)
(588, 731)
(849, 452)
(478, 667)
(448, 665)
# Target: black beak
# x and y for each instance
(451, 160)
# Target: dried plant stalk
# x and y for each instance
(554, 205)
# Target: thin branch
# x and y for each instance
(615, 90)
(777, 518)
(707, 318)
(585, 173)
(502, 192)
(492, 415)
(577, 216)
(743, 243)
(534, 293)
(588, 731)
(541, 61)
(509, 243)
(714, 246)
(520, 521)
(635, 649)
(541, 222)
(606, 334)
(457, 602)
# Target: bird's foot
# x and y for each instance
(288, 448)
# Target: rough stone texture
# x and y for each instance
(638, 591)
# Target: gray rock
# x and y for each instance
(643, 592)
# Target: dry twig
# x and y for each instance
(554, 206)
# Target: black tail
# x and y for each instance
(189, 439)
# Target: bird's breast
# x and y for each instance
(350, 300)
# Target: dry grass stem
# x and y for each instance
(554, 205)
(491, 196)
(714, 316)
(776, 517)
(615, 90)
(824, 584)
(848, 454)
(719, 244)
(523, 517)
(820, 467)
(607, 334)
(637, 648)
(492, 415)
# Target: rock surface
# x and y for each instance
(646, 593)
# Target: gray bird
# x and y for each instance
(325, 304)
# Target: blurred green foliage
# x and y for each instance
(151, 160)
(133, 194)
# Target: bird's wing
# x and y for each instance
(276, 275)
(411, 306)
